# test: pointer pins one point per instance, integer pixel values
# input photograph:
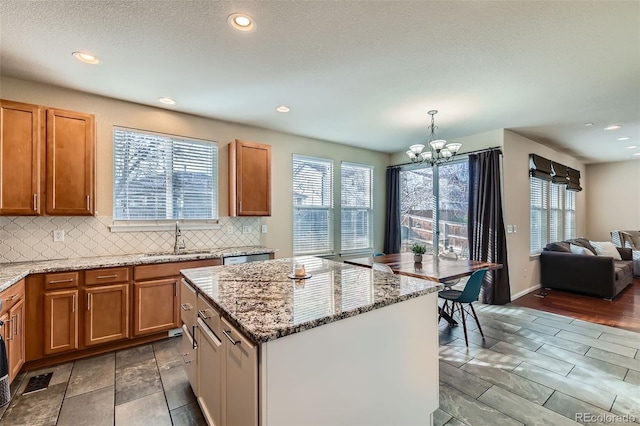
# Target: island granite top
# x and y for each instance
(11, 273)
(265, 304)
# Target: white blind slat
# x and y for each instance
(312, 205)
(357, 206)
(158, 177)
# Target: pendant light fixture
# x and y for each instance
(439, 151)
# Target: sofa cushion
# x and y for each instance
(606, 248)
(583, 242)
(623, 268)
(558, 246)
(580, 250)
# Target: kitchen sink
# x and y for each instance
(171, 253)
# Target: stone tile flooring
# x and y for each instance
(532, 368)
(145, 385)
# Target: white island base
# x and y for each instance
(375, 368)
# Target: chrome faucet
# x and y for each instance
(178, 243)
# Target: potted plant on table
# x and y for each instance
(418, 250)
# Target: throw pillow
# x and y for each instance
(580, 250)
(606, 248)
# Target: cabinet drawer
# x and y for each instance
(209, 315)
(11, 296)
(163, 270)
(61, 280)
(189, 300)
(106, 276)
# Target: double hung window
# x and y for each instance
(163, 177)
(553, 213)
(312, 205)
(357, 206)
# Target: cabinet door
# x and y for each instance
(21, 158)
(106, 316)
(249, 179)
(189, 352)
(155, 306)
(60, 321)
(210, 370)
(16, 346)
(240, 378)
(70, 163)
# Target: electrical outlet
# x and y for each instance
(58, 235)
(264, 229)
(229, 229)
(515, 229)
(246, 229)
(509, 229)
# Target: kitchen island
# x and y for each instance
(348, 345)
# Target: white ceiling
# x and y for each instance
(362, 73)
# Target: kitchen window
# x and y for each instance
(553, 213)
(163, 177)
(357, 207)
(312, 205)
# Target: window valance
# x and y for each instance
(545, 169)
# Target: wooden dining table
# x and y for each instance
(432, 268)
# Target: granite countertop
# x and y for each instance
(11, 273)
(265, 304)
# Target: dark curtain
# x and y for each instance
(487, 239)
(392, 225)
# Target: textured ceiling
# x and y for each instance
(361, 73)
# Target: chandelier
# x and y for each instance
(439, 150)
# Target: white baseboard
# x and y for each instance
(523, 292)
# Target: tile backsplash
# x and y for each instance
(29, 238)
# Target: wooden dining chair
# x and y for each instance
(381, 267)
(466, 297)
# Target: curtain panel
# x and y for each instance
(392, 236)
(487, 238)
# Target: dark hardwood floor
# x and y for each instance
(622, 312)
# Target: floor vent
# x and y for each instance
(38, 383)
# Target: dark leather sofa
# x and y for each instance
(595, 275)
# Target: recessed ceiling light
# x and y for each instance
(167, 101)
(613, 127)
(241, 22)
(87, 58)
(624, 138)
(588, 124)
(632, 147)
(283, 108)
(637, 153)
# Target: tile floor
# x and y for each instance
(532, 368)
(145, 385)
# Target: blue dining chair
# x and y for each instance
(465, 297)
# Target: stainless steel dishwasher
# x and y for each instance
(234, 260)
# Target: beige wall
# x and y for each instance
(613, 199)
(110, 112)
(524, 273)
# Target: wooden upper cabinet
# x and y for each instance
(21, 158)
(70, 163)
(249, 179)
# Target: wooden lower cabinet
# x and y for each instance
(106, 316)
(155, 306)
(60, 321)
(12, 328)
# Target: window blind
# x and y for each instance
(553, 213)
(357, 206)
(158, 176)
(312, 205)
